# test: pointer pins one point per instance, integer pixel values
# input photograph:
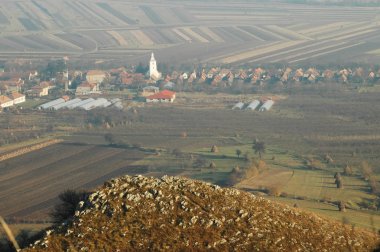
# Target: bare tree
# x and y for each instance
(259, 148)
(366, 170)
(238, 153)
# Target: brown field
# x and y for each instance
(91, 29)
(29, 184)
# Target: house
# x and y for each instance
(11, 86)
(163, 96)
(169, 85)
(125, 78)
(150, 90)
(95, 76)
(86, 88)
(32, 75)
(5, 101)
(39, 90)
(17, 97)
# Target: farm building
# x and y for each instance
(50, 104)
(238, 105)
(253, 105)
(95, 76)
(118, 105)
(79, 104)
(267, 105)
(17, 97)
(163, 96)
(86, 88)
(150, 90)
(5, 101)
(101, 102)
(115, 100)
(66, 104)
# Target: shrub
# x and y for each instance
(274, 190)
(342, 206)
(214, 149)
(66, 208)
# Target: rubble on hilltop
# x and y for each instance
(172, 214)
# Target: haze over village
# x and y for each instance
(189, 125)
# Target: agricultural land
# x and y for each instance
(155, 140)
(231, 32)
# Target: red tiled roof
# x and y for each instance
(95, 72)
(165, 94)
(4, 99)
(16, 95)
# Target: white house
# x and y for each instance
(95, 76)
(5, 101)
(17, 97)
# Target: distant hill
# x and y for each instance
(338, 2)
(178, 214)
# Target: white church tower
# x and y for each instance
(153, 72)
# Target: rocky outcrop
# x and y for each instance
(178, 214)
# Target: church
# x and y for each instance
(154, 74)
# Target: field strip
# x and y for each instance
(261, 51)
(311, 51)
(290, 50)
(142, 37)
(99, 13)
(120, 40)
(62, 41)
(358, 29)
(349, 26)
(235, 18)
(323, 28)
(212, 34)
(345, 138)
(179, 33)
(354, 35)
(20, 171)
(271, 33)
(230, 54)
(375, 52)
(285, 32)
(195, 35)
(25, 150)
(248, 33)
(327, 52)
(296, 26)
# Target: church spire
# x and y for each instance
(152, 57)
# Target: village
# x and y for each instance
(72, 89)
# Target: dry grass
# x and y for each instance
(260, 51)
(120, 40)
(142, 37)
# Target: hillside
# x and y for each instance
(172, 214)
